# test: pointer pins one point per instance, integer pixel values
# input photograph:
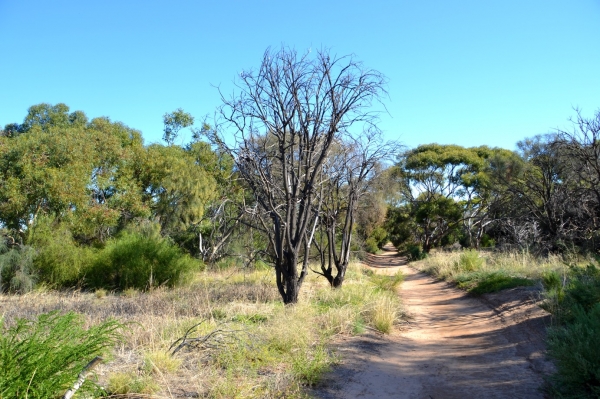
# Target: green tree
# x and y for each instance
(177, 188)
(448, 190)
(174, 122)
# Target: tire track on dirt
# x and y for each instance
(453, 346)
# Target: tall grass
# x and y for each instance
(257, 348)
(483, 272)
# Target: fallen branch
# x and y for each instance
(216, 339)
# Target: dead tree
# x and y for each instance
(349, 173)
(285, 117)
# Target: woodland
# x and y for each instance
(291, 175)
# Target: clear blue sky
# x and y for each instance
(465, 72)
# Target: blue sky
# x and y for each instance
(463, 72)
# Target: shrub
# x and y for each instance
(470, 261)
(576, 351)
(413, 251)
(16, 268)
(140, 261)
(43, 358)
(371, 245)
(59, 260)
(581, 290)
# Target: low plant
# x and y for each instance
(479, 283)
(385, 282)
(491, 272)
(575, 348)
(42, 358)
(383, 312)
(131, 383)
(469, 261)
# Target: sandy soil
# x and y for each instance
(453, 346)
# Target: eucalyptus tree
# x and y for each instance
(73, 170)
(448, 191)
(284, 118)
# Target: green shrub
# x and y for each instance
(140, 261)
(59, 260)
(580, 290)
(379, 236)
(413, 251)
(575, 349)
(16, 268)
(371, 245)
(43, 358)
(470, 261)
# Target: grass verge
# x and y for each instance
(481, 273)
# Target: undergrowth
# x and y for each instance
(481, 273)
(42, 358)
(243, 342)
(574, 339)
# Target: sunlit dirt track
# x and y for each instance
(453, 345)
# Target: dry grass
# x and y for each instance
(480, 272)
(259, 348)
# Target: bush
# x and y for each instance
(576, 351)
(43, 358)
(59, 260)
(16, 268)
(140, 261)
(470, 261)
(581, 290)
(371, 245)
(412, 251)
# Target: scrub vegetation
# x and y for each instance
(209, 252)
(224, 335)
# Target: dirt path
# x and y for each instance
(454, 346)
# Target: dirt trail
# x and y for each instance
(454, 346)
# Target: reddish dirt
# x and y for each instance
(452, 346)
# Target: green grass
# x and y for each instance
(479, 283)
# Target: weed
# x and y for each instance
(309, 367)
(100, 293)
(160, 362)
(383, 313)
(469, 261)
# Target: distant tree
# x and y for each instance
(285, 119)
